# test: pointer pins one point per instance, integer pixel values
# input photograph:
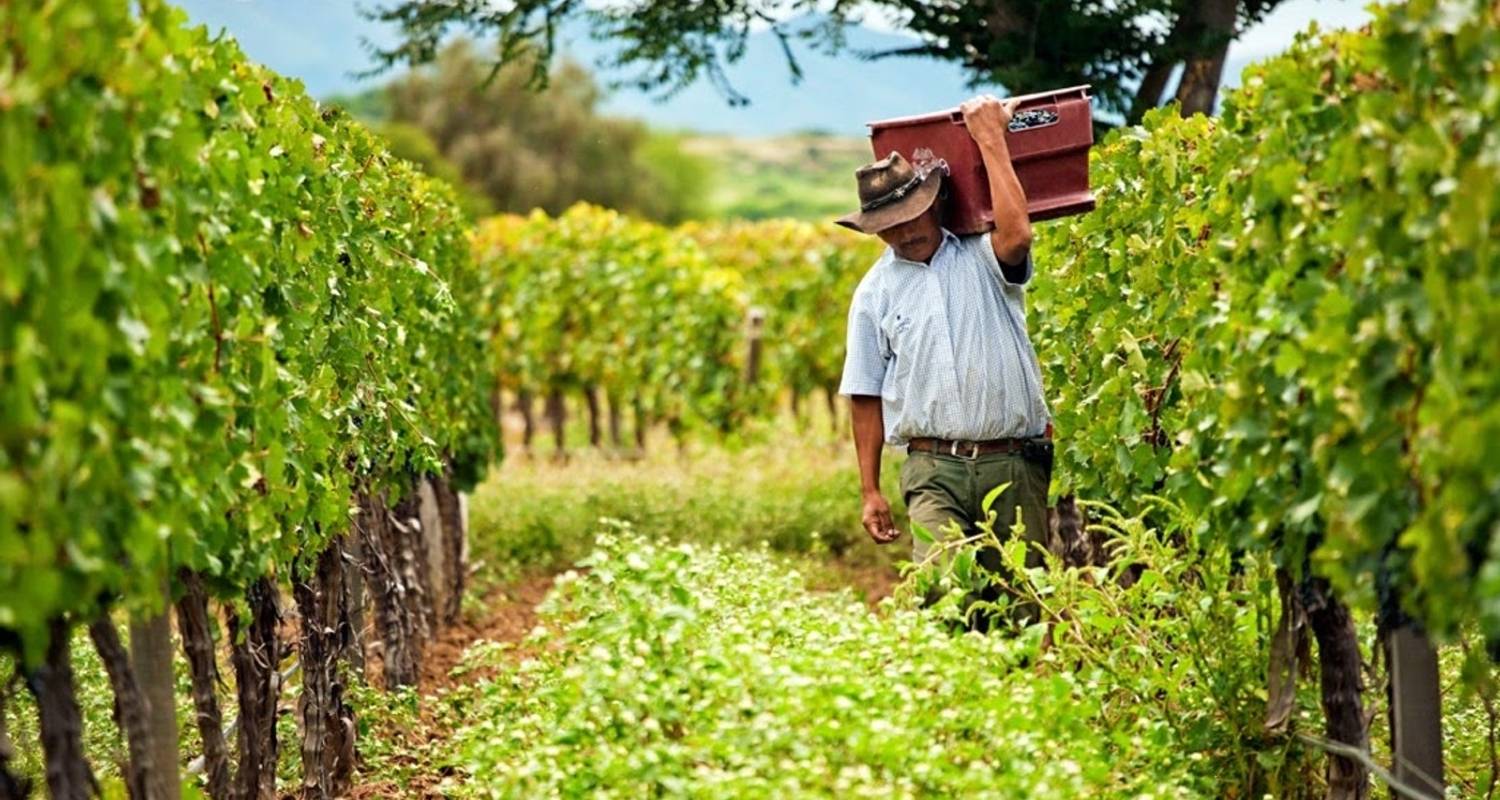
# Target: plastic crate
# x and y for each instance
(1049, 140)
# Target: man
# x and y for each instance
(938, 357)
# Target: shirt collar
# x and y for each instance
(950, 239)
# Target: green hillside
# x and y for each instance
(804, 176)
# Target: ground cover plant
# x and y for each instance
(703, 671)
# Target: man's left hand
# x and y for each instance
(987, 117)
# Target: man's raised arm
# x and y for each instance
(987, 119)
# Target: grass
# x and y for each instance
(789, 484)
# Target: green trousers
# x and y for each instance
(943, 488)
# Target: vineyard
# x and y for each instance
(255, 375)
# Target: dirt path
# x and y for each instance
(509, 614)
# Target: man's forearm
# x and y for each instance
(1012, 235)
(869, 436)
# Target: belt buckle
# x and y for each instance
(953, 450)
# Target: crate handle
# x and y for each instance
(1022, 120)
(1033, 118)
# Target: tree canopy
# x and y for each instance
(1126, 49)
(521, 149)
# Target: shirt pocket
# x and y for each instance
(897, 326)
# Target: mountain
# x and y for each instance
(320, 42)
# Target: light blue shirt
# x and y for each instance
(944, 345)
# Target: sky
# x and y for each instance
(321, 42)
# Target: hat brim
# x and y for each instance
(904, 210)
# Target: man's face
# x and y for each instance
(916, 239)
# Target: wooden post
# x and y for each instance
(151, 659)
(757, 325)
(433, 540)
(1415, 710)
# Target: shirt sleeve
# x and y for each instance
(867, 353)
(1008, 274)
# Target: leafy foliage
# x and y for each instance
(667, 46)
(1286, 317)
(410, 143)
(657, 315)
(798, 272)
(594, 298)
(222, 309)
(683, 670)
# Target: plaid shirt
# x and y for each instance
(945, 347)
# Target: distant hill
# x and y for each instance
(803, 176)
(319, 41)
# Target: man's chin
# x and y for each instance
(914, 251)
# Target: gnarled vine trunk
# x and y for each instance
(1339, 668)
(51, 683)
(528, 419)
(327, 721)
(639, 410)
(383, 580)
(194, 626)
(130, 708)
(591, 398)
(256, 656)
(557, 418)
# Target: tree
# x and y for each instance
(522, 149)
(1128, 49)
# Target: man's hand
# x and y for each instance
(987, 118)
(877, 519)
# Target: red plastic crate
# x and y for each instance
(1049, 141)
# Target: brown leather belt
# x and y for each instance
(961, 449)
